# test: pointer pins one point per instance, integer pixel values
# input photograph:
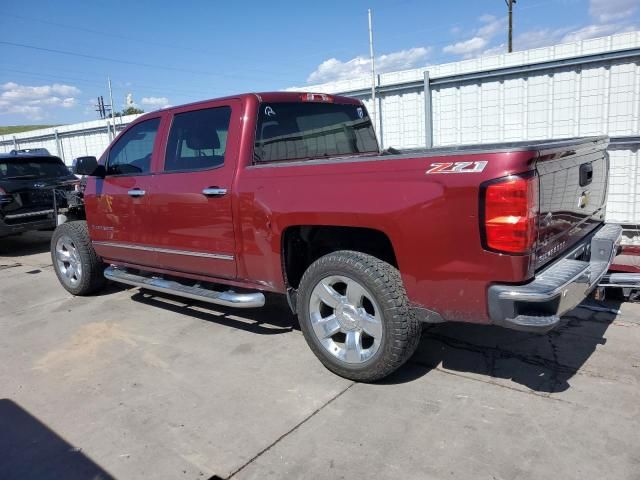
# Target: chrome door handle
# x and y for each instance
(214, 192)
(136, 192)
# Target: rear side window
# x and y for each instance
(30, 167)
(131, 155)
(294, 131)
(198, 140)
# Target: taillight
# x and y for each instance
(316, 97)
(509, 214)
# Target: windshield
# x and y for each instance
(32, 167)
(301, 130)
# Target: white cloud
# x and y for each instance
(466, 47)
(20, 92)
(155, 102)
(34, 101)
(492, 25)
(595, 31)
(546, 37)
(334, 69)
(611, 10)
(481, 38)
(610, 16)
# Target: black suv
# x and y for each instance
(29, 183)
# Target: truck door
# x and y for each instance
(191, 198)
(118, 204)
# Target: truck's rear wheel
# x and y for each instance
(76, 263)
(354, 313)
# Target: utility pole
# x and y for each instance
(510, 4)
(100, 107)
(113, 110)
(373, 73)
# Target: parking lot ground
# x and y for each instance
(129, 385)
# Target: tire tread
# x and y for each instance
(402, 326)
(93, 279)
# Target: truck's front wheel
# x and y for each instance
(354, 313)
(76, 263)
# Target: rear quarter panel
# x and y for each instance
(430, 219)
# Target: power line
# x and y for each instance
(101, 84)
(138, 40)
(124, 62)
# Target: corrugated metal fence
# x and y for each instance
(584, 88)
(68, 141)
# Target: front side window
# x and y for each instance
(298, 130)
(131, 155)
(198, 140)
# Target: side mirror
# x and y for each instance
(88, 166)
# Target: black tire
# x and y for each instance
(400, 329)
(91, 279)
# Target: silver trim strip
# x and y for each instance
(29, 214)
(217, 256)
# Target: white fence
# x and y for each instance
(584, 88)
(68, 141)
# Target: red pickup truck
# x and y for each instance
(223, 200)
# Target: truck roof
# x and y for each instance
(272, 97)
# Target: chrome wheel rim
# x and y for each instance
(346, 319)
(68, 261)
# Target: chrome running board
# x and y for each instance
(228, 299)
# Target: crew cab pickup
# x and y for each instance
(32, 185)
(223, 200)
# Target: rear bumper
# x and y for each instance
(537, 306)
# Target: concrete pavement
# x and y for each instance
(132, 385)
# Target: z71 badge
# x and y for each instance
(457, 167)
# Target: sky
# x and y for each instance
(55, 57)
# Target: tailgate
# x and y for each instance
(573, 188)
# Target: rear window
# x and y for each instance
(30, 167)
(295, 131)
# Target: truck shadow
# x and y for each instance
(28, 243)
(542, 363)
(272, 319)
(30, 449)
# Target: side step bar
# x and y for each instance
(228, 299)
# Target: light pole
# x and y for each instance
(373, 73)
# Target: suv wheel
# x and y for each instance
(354, 314)
(76, 263)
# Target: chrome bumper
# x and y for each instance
(538, 305)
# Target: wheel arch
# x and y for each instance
(302, 245)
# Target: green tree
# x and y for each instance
(132, 111)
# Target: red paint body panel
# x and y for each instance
(627, 261)
(431, 220)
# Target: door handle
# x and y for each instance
(214, 192)
(136, 192)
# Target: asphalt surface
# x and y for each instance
(131, 385)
